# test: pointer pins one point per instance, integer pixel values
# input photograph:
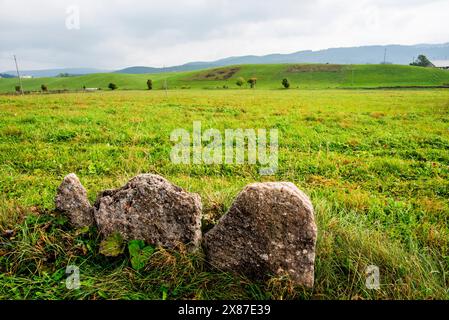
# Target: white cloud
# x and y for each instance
(119, 33)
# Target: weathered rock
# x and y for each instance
(71, 199)
(150, 208)
(269, 229)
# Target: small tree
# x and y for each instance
(44, 88)
(112, 86)
(240, 82)
(422, 61)
(18, 89)
(286, 83)
(150, 84)
(252, 82)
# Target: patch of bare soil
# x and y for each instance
(216, 74)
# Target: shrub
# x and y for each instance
(252, 82)
(150, 84)
(112, 86)
(44, 88)
(18, 89)
(286, 83)
(240, 82)
(422, 61)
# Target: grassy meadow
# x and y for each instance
(374, 162)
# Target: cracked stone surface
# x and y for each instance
(71, 199)
(150, 208)
(269, 230)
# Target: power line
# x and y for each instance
(18, 75)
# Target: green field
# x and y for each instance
(303, 76)
(375, 164)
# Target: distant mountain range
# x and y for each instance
(396, 54)
(56, 72)
(5, 75)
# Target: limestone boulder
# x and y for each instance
(150, 208)
(71, 199)
(269, 230)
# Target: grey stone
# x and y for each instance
(269, 229)
(71, 199)
(150, 208)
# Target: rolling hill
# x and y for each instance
(304, 76)
(395, 54)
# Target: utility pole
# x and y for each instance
(18, 75)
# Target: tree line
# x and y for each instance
(240, 82)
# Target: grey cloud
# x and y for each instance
(121, 33)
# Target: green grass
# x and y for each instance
(269, 77)
(375, 164)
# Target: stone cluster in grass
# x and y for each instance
(269, 230)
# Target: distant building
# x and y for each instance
(26, 77)
(441, 64)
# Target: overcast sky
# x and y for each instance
(119, 33)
